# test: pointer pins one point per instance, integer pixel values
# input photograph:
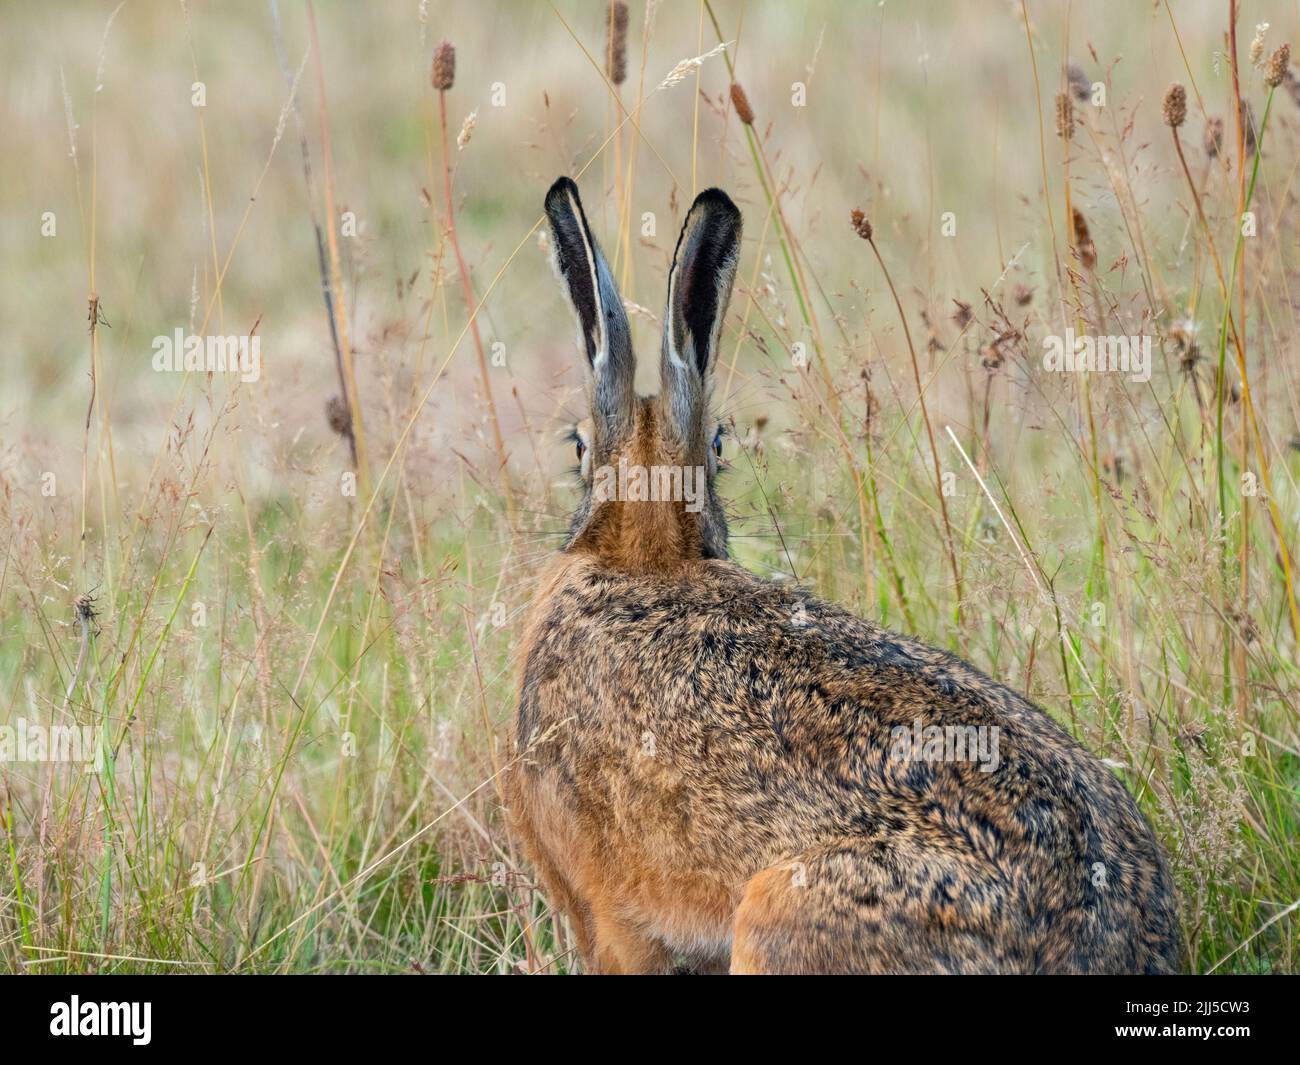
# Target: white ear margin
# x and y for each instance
(602, 337)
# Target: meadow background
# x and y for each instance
(305, 686)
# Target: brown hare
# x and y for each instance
(715, 772)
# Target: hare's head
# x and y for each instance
(648, 463)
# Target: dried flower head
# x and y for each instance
(1257, 45)
(1175, 106)
(741, 103)
(339, 416)
(616, 41)
(962, 316)
(444, 66)
(1064, 116)
(85, 608)
(1023, 295)
(1213, 136)
(1276, 68)
(1083, 241)
(682, 69)
(861, 224)
(466, 130)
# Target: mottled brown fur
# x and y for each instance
(704, 774)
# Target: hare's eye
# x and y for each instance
(717, 442)
(579, 445)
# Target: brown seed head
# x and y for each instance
(741, 103)
(85, 607)
(339, 416)
(1083, 241)
(861, 224)
(1064, 116)
(1175, 106)
(616, 41)
(1213, 136)
(444, 66)
(1275, 69)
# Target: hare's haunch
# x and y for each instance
(718, 772)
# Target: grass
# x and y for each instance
(301, 659)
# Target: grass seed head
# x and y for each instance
(444, 66)
(1276, 68)
(85, 607)
(682, 69)
(1257, 45)
(1064, 116)
(466, 130)
(861, 224)
(1175, 106)
(741, 103)
(339, 416)
(616, 29)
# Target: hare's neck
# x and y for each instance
(642, 536)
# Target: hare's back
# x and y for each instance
(735, 722)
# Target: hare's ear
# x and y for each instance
(699, 288)
(603, 333)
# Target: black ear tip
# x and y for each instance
(715, 200)
(557, 195)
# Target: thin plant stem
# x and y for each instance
(468, 289)
(929, 429)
